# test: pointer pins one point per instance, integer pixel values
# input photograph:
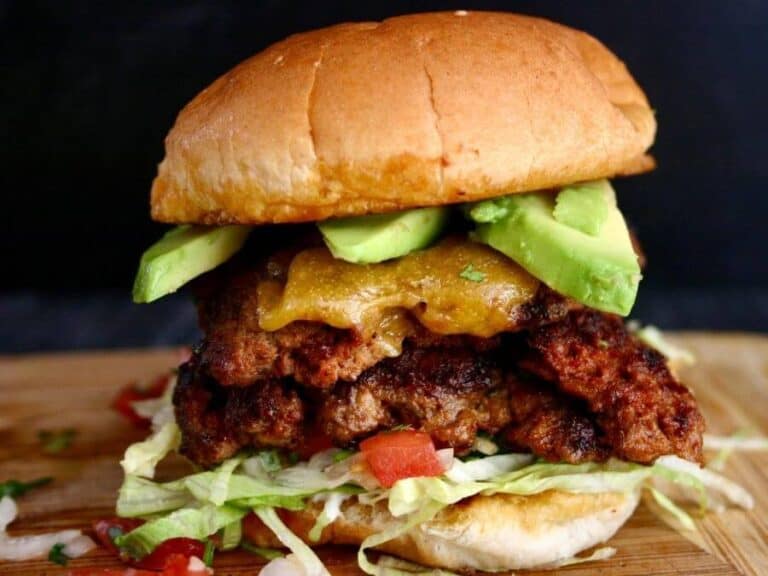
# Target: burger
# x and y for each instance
(411, 274)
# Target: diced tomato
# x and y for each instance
(124, 400)
(170, 551)
(109, 528)
(179, 565)
(392, 456)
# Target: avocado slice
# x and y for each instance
(599, 271)
(369, 239)
(584, 206)
(182, 254)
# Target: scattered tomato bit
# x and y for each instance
(169, 552)
(131, 393)
(110, 528)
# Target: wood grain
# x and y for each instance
(50, 392)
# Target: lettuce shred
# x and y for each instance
(215, 501)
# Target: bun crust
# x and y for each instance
(417, 110)
(490, 533)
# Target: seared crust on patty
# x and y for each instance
(449, 390)
(640, 406)
(551, 424)
(448, 386)
(216, 421)
(582, 389)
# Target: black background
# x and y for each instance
(89, 90)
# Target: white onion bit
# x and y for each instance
(38, 545)
(288, 566)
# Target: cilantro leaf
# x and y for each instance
(14, 488)
(57, 555)
(469, 273)
(342, 455)
(54, 441)
(208, 553)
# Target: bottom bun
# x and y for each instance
(489, 533)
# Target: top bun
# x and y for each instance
(418, 110)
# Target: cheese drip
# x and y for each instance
(429, 284)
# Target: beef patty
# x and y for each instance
(576, 390)
(237, 352)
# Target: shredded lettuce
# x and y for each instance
(141, 458)
(158, 410)
(739, 441)
(428, 510)
(673, 509)
(308, 559)
(716, 486)
(653, 337)
(197, 523)
(332, 502)
(141, 497)
(220, 483)
(204, 503)
(486, 468)
(232, 535)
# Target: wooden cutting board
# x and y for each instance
(53, 392)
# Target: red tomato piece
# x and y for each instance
(178, 565)
(169, 552)
(124, 400)
(392, 456)
(109, 528)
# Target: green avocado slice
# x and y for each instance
(182, 254)
(379, 237)
(600, 271)
(584, 207)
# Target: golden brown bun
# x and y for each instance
(418, 110)
(500, 532)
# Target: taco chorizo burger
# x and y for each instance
(410, 272)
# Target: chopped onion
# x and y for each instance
(736, 442)
(445, 456)
(197, 566)
(8, 512)
(39, 545)
(332, 502)
(79, 546)
(284, 566)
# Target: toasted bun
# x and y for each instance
(500, 532)
(417, 110)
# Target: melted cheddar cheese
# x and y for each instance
(427, 284)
